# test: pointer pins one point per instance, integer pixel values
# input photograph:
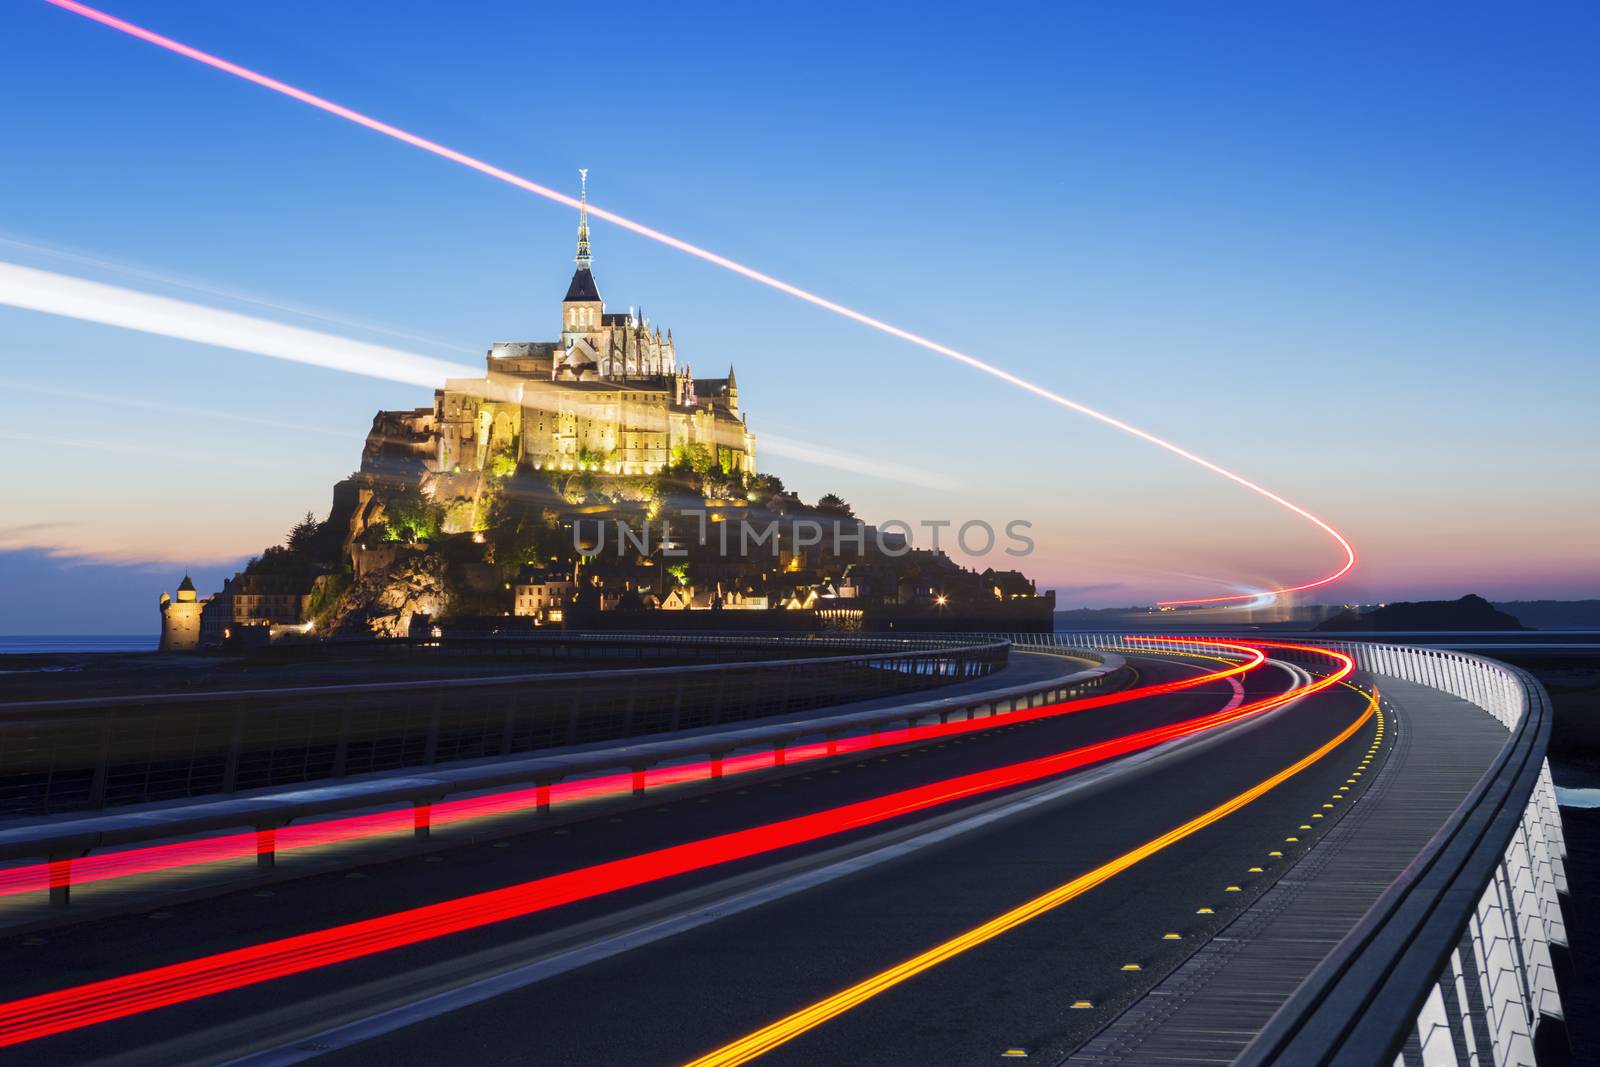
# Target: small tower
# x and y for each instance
(733, 393)
(180, 619)
(582, 308)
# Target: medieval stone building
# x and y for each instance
(607, 395)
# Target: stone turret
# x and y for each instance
(180, 619)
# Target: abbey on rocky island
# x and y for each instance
(608, 395)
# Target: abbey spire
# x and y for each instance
(583, 304)
(583, 218)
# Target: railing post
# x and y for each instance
(61, 876)
(508, 730)
(341, 747)
(230, 767)
(430, 750)
(102, 760)
(677, 704)
(627, 711)
(573, 712)
(266, 847)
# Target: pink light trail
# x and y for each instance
(751, 273)
(87, 1004)
(288, 839)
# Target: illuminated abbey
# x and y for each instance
(609, 395)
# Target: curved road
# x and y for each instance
(756, 940)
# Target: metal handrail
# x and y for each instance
(61, 840)
(90, 753)
(125, 828)
(165, 700)
(1360, 1004)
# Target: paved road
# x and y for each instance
(673, 999)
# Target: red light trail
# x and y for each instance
(750, 273)
(770, 1037)
(135, 861)
(79, 1006)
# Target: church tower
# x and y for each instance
(582, 309)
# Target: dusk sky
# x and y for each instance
(1350, 251)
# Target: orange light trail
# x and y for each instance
(130, 862)
(75, 1007)
(792, 1026)
(499, 174)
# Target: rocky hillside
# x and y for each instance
(381, 603)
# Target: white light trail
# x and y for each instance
(77, 298)
(801, 452)
(164, 279)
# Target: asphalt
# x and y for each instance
(669, 1001)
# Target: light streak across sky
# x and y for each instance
(90, 301)
(56, 252)
(75, 1007)
(802, 452)
(750, 273)
(78, 298)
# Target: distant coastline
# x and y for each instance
(31, 644)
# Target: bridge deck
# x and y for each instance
(1208, 1009)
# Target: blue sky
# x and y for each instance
(1350, 250)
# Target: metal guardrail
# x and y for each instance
(607, 645)
(1452, 964)
(89, 754)
(63, 840)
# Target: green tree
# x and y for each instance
(326, 593)
(303, 535)
(761, 488)
(695, 457)
(502, 465)
(717, 485)
(834, 504)
(412, 516)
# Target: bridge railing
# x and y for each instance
(63, 841)
(609, 645)
(1453, 964)
(93, 753)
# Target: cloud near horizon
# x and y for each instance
(34, 538)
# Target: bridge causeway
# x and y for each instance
(1214, 1004)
